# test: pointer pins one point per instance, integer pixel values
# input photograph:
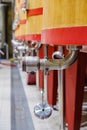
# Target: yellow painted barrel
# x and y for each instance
(64, 22)
(21, 29)
(17, 2)
(34, 20)
(22, 25)
(17, 25)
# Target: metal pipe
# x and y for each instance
(60, 64)
(34, 45)
(61, 101)
(52, 64)
(46, 51)
(45, 71)
(37, 79)
(61, 95)
(32, 63)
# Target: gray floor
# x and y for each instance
(17, 101)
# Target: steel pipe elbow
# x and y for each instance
(63, 62)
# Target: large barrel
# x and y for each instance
(64, 22)
(22, 29)
(34, 20)
(23, 16)
(17, 28)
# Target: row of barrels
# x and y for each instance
(53, 22)
(57, 22)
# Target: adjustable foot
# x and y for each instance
(42, 110)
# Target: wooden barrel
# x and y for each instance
(64, 22)
(22, 25)
(21, 30)
(17, 26)
(34, 20)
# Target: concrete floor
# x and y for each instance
(17, 101)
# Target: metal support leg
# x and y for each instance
(37, 78)
(61, 95)
(61, 100)
(42, 110)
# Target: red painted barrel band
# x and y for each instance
(22, 37)
(33, 37)
(64, 36)
(23, 21)
(36, 11)
(29, 37)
